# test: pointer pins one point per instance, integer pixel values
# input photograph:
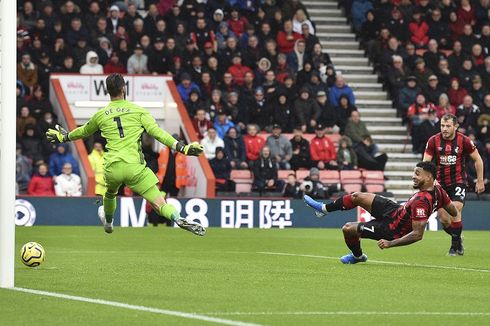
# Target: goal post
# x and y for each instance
(8, 74)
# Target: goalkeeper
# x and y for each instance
(122, 123)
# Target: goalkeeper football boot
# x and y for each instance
(316, 205)
(108, 227)
(351, 259)
(191, 226)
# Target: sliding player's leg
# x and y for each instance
(362, 199)
(352, 238)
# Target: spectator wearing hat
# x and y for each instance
(59, 158)
(41, 183)
(322, 151)
(407, 96)
(340, 88)
(222, 124)
(114, 65)
(418, 29)
(221, 167)
(186, 86)
(92, 65)
(208, 51)
(265, 172)
(138, 62)
(281, 149)
(210, 142)
(282, 111)
(300, 149)
(253, 144)
(218, 17)
(158, 61)
(237, 70)
(44, 70)
(422, 73)
(223, 33)
(104, 50)
(113, 19)
(313, 187)
(433, 89)
(201, 123)
(235, 149)
(286, 38)
(306, 112)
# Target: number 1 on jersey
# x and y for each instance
(119, 127)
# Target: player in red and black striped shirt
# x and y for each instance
(394, 225)
(449, 150)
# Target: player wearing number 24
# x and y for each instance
(122, 123)
(393, 224)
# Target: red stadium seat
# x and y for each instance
(329, 176)
(350, 176)
(334, 138)
(373, 180)
(308, 137)
(374, 187)
(283, 174)
(373, 175)
(302, 174)
(243, 187)
(352, 187)
(241, 176)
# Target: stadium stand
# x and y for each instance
(270, 62)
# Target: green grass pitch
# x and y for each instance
(227, 275)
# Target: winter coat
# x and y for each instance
(27, 74)
(238, 72)
(253, 146)
(211, 145)
(222, 129)
(201, 127)
(322, 149)
(336, 92)
(221, 168)
(419, 33)
(41, 185)
(305, 110)
(284, 45)
(57, 160)
(138, 64)
(23, 170)
(235, 148)
(358, 12)
(406, 97)
(264, 169)
(91, 68)
(68, 185)
(96, 160)
(343, 156)
(356, 131)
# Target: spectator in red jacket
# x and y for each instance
(286, 39)
(253, 144)
(419, 29)
(456, 93)
(114, 65)
(322, 151)
(237, 23)
(41, 183)
(201, 123)
(237, 70)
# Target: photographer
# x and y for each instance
(313, 187)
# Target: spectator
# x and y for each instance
(322, 151)
(407, 96)
(31, 142)
(306, 112)
(114, 65)
(484, 72)
(222, 124)
(346, 156)
(23, 169)
(368, 156)
(222, 170)
(328, 116)
(194, 103)
(417, 114)
(67, 184)
(432, 55)
(27, 71)
(467, 114)
(158, 61)
(216, 104)
(418, 29)
(23, 119)
(41, 183)
(444, 106)
(236, 22)
(301, 151)
(456, 58)
(223, 34)
(76, 31)
(203, 34)
(397, 74)
(355, 128)
(138, 62)
(210, 142)
(422, 73)
(237, 110)
(428, 128)
(265, 172)
(253, 143)
(456, 93)
(310, 39)
(466, 73)
(343, 112)
(298, 56)
(312, 185)
(443, 73)
(58, 159)
(466, 13)
(235, 149)
(237, 70)
(339, 89)
(280, 147)
(439, 29)
(301, 19)
(286, 39)
(292, 188)
(92, 65)
(281, 112)
(113, 20)
(96, 159)
(477, 91)
(433, 89)
(258, 110)
(318, 57)
(201, 123)
(186, 86)
(101, 30)
(359, 10)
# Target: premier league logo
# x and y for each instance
(25, 213)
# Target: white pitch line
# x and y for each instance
(351, 313)
(382, 262)
(138, 308)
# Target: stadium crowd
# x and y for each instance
(254, 79)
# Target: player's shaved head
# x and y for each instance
(115, 85)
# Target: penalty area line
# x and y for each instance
(381, 262)
(136, 307)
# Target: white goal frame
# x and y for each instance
(8, 72)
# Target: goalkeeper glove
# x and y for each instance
(57, 135)
(192, 149)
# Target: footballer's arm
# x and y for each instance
(480, 185)
(418, 228)
(84, 131)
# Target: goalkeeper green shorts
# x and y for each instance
(136, 176)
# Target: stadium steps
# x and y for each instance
(372, 101)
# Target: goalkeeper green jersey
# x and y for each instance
(122, 123)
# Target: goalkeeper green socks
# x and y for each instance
(169, 212)
(109, 208)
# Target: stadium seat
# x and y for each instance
(373, 180)
(350, 176)
(334, 138)
(308, 137)
(329, 176)
(243, 187)
(374, 187)
(283, 174)
(302, 174)
(243, 180)
(352, 187)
